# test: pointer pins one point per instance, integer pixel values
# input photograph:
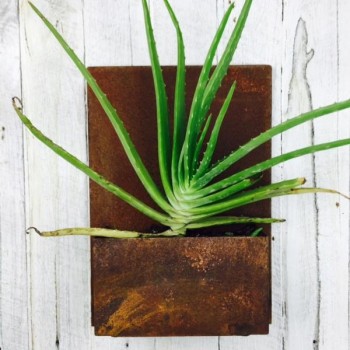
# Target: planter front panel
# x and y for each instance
(181, 286)
(125, 305)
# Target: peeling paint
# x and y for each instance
(299, 94)
(300, 101)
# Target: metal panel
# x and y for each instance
(209, 309)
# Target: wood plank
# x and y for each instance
(333, 211)
(53, 96)
(197, 35)
(312, 250)
(299, 250)
(343, 17)
(186, 343)
(14, 326)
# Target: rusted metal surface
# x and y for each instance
(181, 286)
(153, 300)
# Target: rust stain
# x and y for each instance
(179, 286)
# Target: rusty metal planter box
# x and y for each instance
(175, 286)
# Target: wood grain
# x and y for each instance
(14, 325)
(53, 97)
(310, 252)
(343, 173)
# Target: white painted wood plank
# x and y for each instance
(343, 14)
(14, 327)
(197, 34)
(310, 253)
(261, 44)
(187, 343)
(333, 172)
(107, 33)
(300, 252)
(53, 96)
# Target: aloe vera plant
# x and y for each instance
(191, 196)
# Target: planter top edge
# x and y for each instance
(245, 66)
(245, 238)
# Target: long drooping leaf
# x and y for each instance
(179, 102)
(163, 129)
(103, 232)
(304, 190)
(117, 123)
(209, 152)
(192, 127)
(93, 175)
(283, 188)
(266, 136)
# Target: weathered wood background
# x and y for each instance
(44, 283)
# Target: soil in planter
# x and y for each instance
(226, 230)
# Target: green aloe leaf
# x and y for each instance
(163, 129)
(266, 136)
(209, 152)
(221, 69)
(179, 103)
(93, 175)
(194, 125)
(267, 164)
(257, 232)
(248, 197)
(195, 201)
(117, 123)
(200, 142)
(283, 188)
